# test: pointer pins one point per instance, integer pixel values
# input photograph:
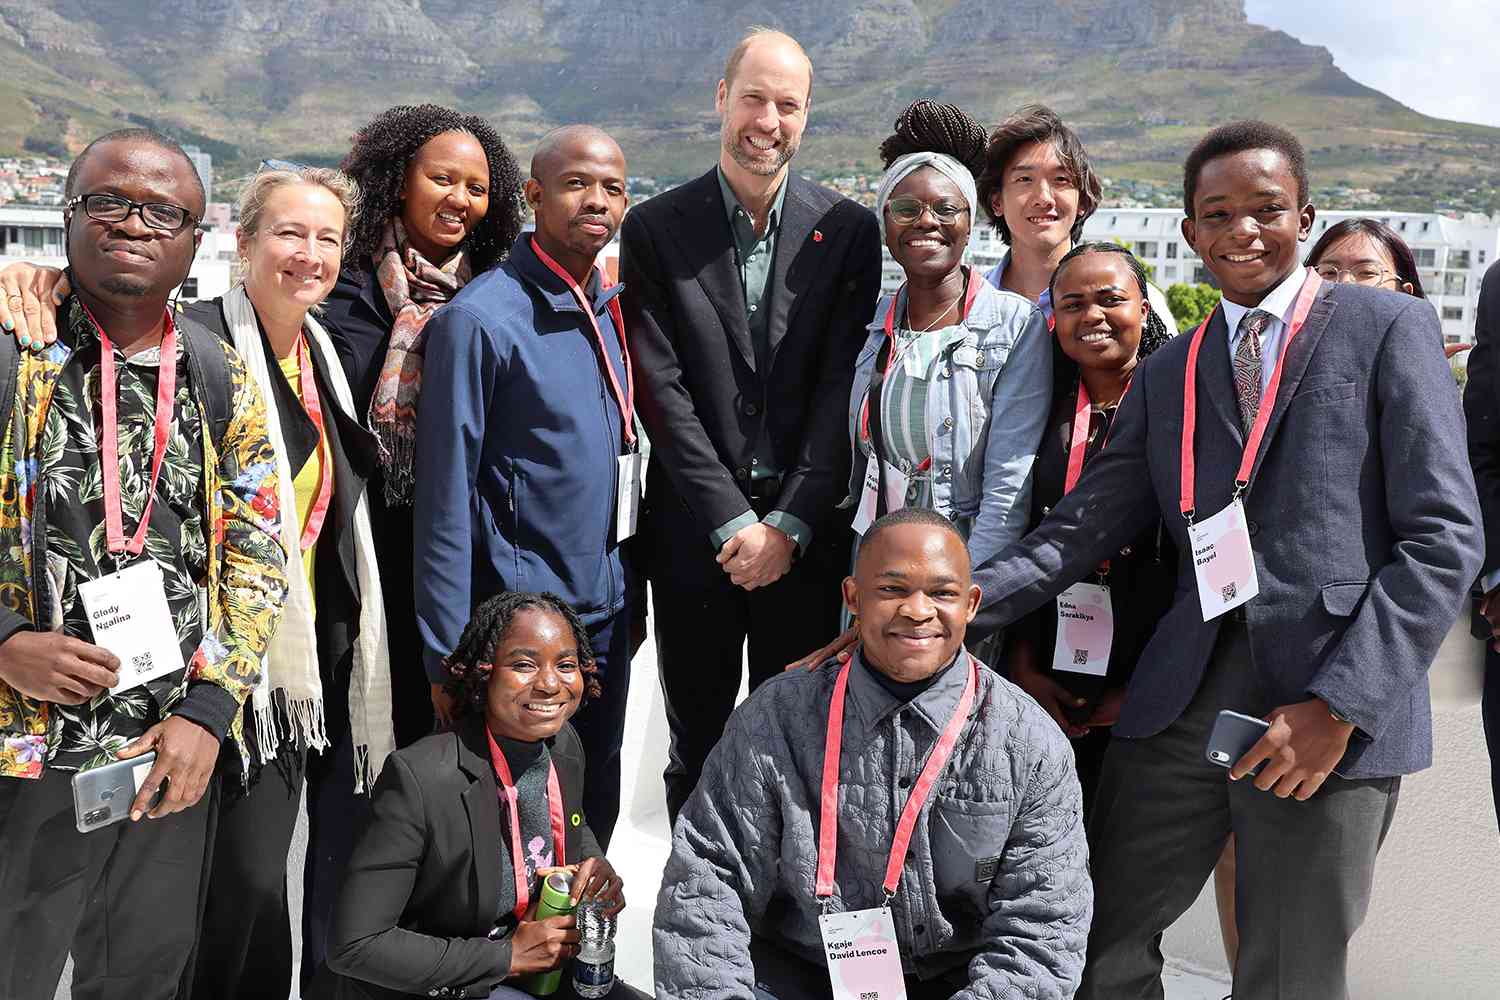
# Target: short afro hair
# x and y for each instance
(473, 660)
(1238, 137)
(1038, 123)
(385, 147)
(909, 515)
(146, 136)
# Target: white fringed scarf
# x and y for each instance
(290, 665)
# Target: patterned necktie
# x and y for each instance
(1247, 364)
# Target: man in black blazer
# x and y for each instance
(1482, 407)
(1361, 523)
(747, 292)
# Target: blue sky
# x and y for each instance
(1437, 56)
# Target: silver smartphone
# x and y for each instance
(1232, 737)
(102, 795)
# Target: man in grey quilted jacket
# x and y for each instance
(993, 899)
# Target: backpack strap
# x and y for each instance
(208, 367)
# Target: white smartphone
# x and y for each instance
(102, 795)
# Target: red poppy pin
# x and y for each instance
(817, 236)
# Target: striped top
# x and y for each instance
(903, 407)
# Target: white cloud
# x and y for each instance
(1437, 56)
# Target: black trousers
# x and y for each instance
(703, 623)
(1303, 870)
(601, 724)
(245, 948)
(1492, 720)
(123, 899)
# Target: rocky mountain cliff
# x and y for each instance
(246, 78)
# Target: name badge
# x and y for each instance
(1085, 630)
(896, 483)
(627, 495)
(863, 960)
(129, 615)
(1223, 561)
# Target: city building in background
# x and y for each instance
(204, 165)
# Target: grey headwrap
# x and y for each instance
(912, 162)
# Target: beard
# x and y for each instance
(124, 284)
(763, 167)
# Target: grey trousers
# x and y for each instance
(1303, 869)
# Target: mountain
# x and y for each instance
(1141, 79)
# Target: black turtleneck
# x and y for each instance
(904, 691)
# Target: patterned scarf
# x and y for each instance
(414, 289)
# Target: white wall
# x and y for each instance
(1433, 932)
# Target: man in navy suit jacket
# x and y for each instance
(1364, 526)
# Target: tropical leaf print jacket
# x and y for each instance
(213, 529)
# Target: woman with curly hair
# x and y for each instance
(442, 202)
(951, 389)
(468, 822)
(1105, 328)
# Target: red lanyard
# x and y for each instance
(1079, 442)
(308, 384)
(554, 807)
(166, 391)
(828, 819)
(1267, 403)
(624, 397)
(893, 355)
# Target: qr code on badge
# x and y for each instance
(141, 662)
(1229, 591)
(1080, 657)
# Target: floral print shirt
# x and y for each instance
(213, 530)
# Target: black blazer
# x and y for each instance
(419, 896)
(353, 451)
(700, 395)
(1482, 407)
(1361, 511)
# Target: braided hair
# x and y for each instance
(1153, 334)
(473, 660)
(928, 127)
(383, 150)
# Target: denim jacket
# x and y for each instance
(996, 389)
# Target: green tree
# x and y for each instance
(1191, 304)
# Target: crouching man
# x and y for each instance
(904, 823)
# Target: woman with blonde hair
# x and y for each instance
(321, 716)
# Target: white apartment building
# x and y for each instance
(1452, 253)
(35, 233)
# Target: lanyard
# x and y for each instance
(554, 808)
(889, 356)
(624, 397)
(166, 391)
(1263, 417)
(308, 383)
(828, 819)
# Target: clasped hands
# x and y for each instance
(757, 555)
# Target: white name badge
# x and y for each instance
(1085, 630)
(627, 495)
(863, 960)
(896, 482)
(1223, 561)
(129, 615)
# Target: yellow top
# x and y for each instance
(308, 478)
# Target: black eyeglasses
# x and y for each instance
(113, 208)
(908, 210)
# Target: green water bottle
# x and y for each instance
(555, 902)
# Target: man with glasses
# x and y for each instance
(746, 296)
(142, 580)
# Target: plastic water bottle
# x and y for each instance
(594, 967)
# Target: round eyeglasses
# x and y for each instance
(1360, 274)
(909, 210)
(113, 208)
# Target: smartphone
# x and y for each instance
(102, 795)
(1232, 737)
